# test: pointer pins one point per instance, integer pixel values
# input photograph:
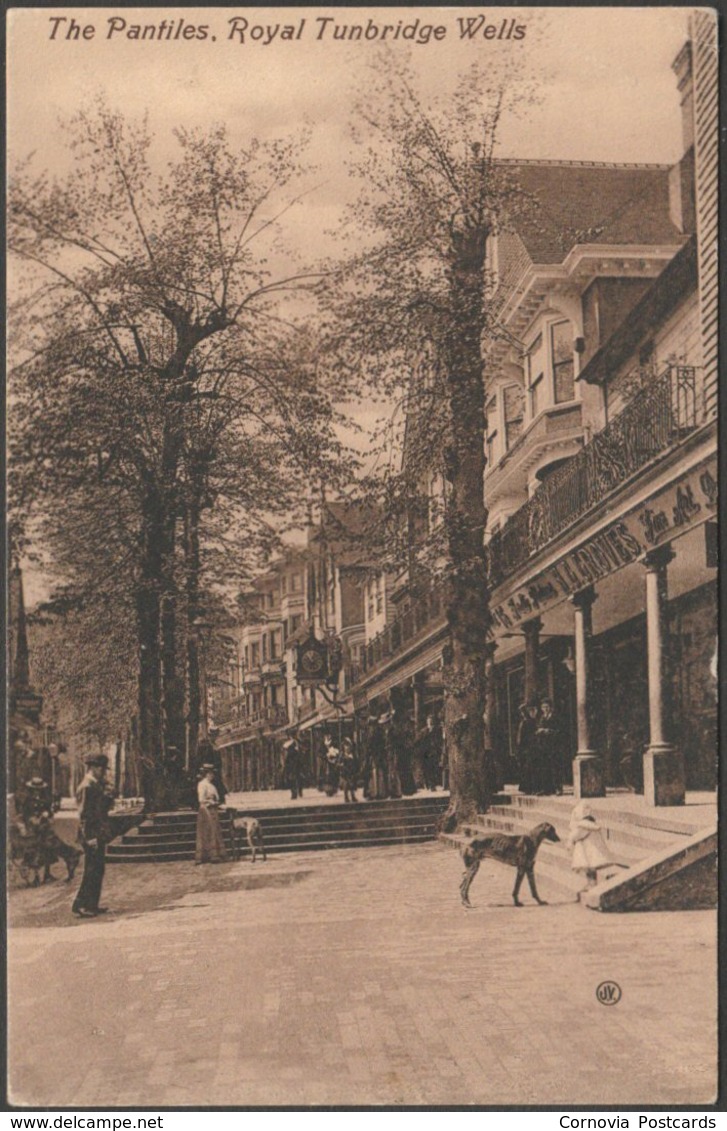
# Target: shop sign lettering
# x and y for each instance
(670, 513)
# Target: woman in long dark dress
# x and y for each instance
(378, 787)
(527, 749)
(547, 744)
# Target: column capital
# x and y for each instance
(584, 598)
(658, 558)
(532, 627)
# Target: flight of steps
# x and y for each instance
(633, 835)
(171, 836)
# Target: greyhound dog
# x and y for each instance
(518, 851)
(253, 834)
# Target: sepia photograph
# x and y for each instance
(362, 548)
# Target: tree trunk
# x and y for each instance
(191, 553)
(466, 518)
(147, 626)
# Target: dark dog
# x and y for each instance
(253, 833)
(518, 851)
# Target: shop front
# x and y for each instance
(619, 630)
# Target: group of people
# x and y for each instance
(389, 761)
(386, 770)
(539, 749)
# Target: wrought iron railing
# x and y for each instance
(234, 713)
(424, 609)
(656, 419)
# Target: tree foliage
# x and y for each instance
(165, 412)
(410, 315)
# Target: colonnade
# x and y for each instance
(664, 778)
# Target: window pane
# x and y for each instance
(513, 414)
(562, 347)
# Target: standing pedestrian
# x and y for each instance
(349, 770)
(429, 750)
(529, 779)
(332, 758)
(94, 832)
(293, 768)
(378, 783)
(390, 726)
(547, 744)
(210, 847)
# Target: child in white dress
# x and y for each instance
(590, 851)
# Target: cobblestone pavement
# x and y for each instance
(352, 977)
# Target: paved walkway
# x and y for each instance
(352, 977)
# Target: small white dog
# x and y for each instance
(253, 833)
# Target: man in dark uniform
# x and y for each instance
(94, 833)
(293, 768)
(429, 751)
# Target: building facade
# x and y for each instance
(601, 478)
(316, 588)
(601, 488)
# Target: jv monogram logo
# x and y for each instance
(608, 993)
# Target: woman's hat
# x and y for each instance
(207, 766)
(35, 783)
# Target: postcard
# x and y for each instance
(362, 571)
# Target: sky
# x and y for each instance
(607, 90)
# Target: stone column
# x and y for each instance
(418, 684)
(664, 778)
(531, 632)
(587, 765)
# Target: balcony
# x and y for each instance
(232, 715)
(658, 418)
(424, 610)
(229, 711)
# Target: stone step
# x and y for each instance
(351, 819)
(608, 809)
(177, 839)
(632, 841)
(172, 836)
(315, 812)
(121, 854)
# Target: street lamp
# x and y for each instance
(53, 752)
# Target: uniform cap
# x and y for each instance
(96, 760)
